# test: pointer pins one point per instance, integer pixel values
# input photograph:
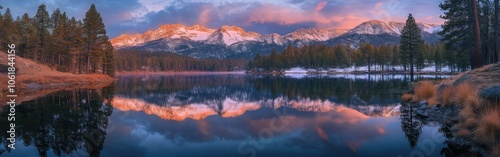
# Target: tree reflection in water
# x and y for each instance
(412, 127)
(68, 122)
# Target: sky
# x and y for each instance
(261, 16)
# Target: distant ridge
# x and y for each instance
(234, 42)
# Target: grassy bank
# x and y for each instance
(473, 92)
(33, 76)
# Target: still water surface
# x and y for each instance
(226, 115)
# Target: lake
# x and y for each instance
(228, 115)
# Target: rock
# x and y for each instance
(491, 93)
(422, 114)
(462, 79)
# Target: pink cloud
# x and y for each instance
(204, 16)
(320, 6)
(289, 16)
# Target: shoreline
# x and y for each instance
(281, 73)
(353, 73)
(469, 102)
(176, 73)
(28, 83)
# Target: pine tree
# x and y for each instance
(42, 23)
(94, 35)
(410, 41)
(395, 61)
(458, 32)
(54, 48)
(9, 31)
(438, 57)
(108, 61)
(29, 37)
(75, 40)
(477, 55)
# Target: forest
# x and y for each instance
(469, 40)
(137, 60)
(61, 42)
(382, 57)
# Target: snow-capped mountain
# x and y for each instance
(384, 27)
(314, 34)
(174, 31)
(229, 35)
(235, 42)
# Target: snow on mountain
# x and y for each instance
(314, 34)
(430, 28)
(384, 27)
(174, 31)
(234, 42)
(229, 35)
(377, 27)
(273, 38)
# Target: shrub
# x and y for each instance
(407, 97)
(425, 90)
(466, 95)
(488, 125)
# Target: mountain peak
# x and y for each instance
(227, 40)
(316, 34)
(229, 35)
(226, 28)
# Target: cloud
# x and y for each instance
(262, 16)
(320, 6)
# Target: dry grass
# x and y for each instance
(32, 72)
(489, 126)
(29, 67)
(425, 90)
(84, 79)
(466, 95)
(447, 95)
(432, 101)
(407, 97)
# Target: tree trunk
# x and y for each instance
(477, 35)
(411, 58)
(88, 59)
(496, 55)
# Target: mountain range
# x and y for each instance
(234, 42)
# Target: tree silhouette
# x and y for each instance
(64, 121)
(411, 126)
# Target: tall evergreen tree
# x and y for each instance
(75, 40)
(42, 23)
(94, 35)
(477, 56)
(29, 37)
(410, 41)
(8, 30)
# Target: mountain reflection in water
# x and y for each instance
(224, 115)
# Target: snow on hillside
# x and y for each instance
(174, 31)
(381, 27)
(229, 35)
(315, 34)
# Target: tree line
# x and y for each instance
(382, 57)
(66, 44)
(137, 60)
(470, 32)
